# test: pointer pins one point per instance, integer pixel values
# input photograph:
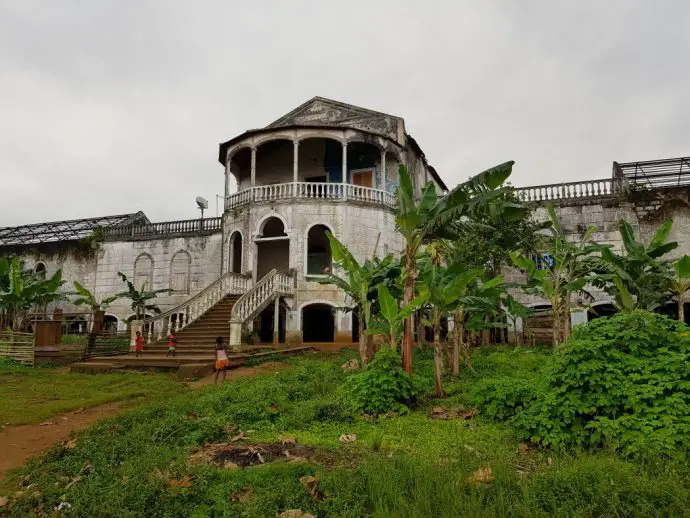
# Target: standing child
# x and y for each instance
(139, 344)
(222, 362)
(172, 344)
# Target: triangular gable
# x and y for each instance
(327, 112)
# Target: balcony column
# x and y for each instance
(344, 173)
(253, 170)
(383, 170)
(295, 161)
(276, 321)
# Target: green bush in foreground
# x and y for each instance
(383, 386)
(621, 382)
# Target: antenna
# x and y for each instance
(202, 203)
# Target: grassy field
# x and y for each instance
(34, 394)
(399, 466)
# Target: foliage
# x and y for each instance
(85, 297)
(21, 290)
(360, 283)
(429, 217)
(622, 382)
(389, 321)
(490, 238)
(680, 283)
(639, 278)
(383, 386)
(421, 468)
(140, 298)
(569, 273)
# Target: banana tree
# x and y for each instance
(638, 277)
(20, 290)
(359, 284)
(389, 322)
(680, 283)
(515, 310)
(86, 298)
(444, 289)
(569, 272)
(432, 217)
(140, 298)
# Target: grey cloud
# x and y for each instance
(110, 107)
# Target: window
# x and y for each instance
(143, 272)
(318, 251)
(179, 272)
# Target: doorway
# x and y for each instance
(318, 323)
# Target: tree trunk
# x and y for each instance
(566, 320)
(408, 295)
(438, 359)
(421, 330)
(458, 338)
(363, 339)
(486, 333)
(681, 310)
(555, 328)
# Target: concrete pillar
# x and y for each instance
(235, 336)
(276, 321)
(227, 179)
(344, 179)
(253, 170)
(383, 170)
(295, 161)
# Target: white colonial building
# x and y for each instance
(325, 166)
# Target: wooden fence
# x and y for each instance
(99, 346)
(18, 346)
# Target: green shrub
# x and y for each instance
(383, 385)
(503, 398)
(621, 382)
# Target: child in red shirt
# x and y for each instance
(172, 344)
(138, 344)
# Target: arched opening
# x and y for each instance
(320, 160)
(601, 310)
(240, 167)
(670, 309)
(264, 324)
(355, 325)
(274, 160)
(76, 326)
(235, 254)
(363, 162)
(110, 324)
(318, 323)
(179, 272)
(143, 272)
(272, 247)
(40, 270)
(319, 259)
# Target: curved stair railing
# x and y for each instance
(254, 301)
(179, 317)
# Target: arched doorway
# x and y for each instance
(264, 323)
(110, 324)
(318, 251)
(601, 310)
(272, 248)
(318, 323)
(235, 255)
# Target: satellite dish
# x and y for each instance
(202, 203)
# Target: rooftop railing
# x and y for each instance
(310, 191)
(586, 189)
(168, 228)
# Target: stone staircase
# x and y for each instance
(222, 309)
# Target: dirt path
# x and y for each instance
(19, 442)
(242, 372)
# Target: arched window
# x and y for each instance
(179, 272)
(143, 272)
(235, 255)
(273, 227)
(40, 270)
(319, 260)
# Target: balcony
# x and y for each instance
(310, 191)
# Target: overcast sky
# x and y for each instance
(109, 107)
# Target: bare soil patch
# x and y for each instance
(18, 443)
(233, 455)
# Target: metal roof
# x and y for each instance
(659, 174)
(70, 230)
